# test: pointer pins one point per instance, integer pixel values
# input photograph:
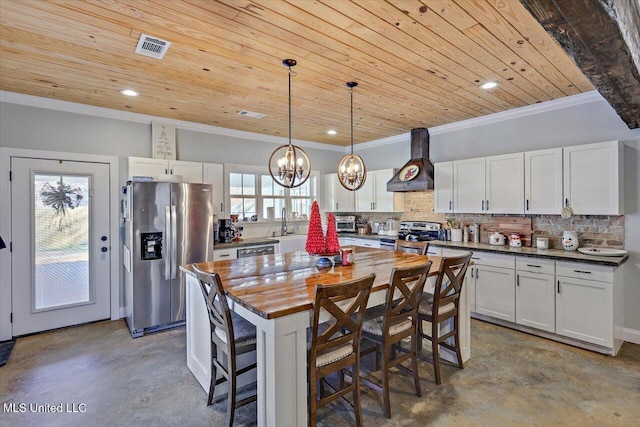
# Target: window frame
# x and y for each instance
(258, 171)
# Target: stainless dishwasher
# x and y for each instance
(256, 251)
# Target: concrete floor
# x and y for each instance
(512, 379)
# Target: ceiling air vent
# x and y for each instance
(152, 46)
(250, 114)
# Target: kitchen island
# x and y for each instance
(275, 293)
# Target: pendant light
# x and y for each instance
(289, 165)
(352, 172)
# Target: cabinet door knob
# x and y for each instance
(487, 205)
(527, 204)
(558, 286)
(483, 205)
(517, 280)
(566, 202)
(449, 204)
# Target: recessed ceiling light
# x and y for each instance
(129, 92)
(332, 132)
(488, 85)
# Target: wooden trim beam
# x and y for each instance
(601, 36)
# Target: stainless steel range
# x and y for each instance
(415, 231)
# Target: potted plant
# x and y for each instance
(456, 231)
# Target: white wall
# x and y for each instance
(30, 127)
(632, 238)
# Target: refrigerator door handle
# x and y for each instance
(167, 241)
(174, 243)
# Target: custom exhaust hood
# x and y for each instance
(417, 173)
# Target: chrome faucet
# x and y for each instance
(283, 228)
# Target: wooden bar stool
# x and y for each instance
(231, 334)
(407, 246)
(335, 344)
(442, 305)
(387, 325)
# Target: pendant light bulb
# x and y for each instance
(352, 172)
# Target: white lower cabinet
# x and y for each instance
(346, 241)
(535, 293)
(494, 277)
(586, 304)
(577, 303)
(495, 293)
(222, 254)
(367, 243)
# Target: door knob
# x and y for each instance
(104, 249)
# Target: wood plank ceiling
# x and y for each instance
(418, 63)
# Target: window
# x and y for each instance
(273, 196)
(302, 197)
(242, 189)
(252, 190)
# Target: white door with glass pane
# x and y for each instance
(60, 236)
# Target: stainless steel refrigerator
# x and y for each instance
(166, 225)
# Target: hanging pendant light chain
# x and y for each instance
(289, 105)
(351, 92)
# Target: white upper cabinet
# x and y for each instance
(592, 176)
(143, 166)
(469, 182)
(337, 198)
(191, 171)
(504, 183)
(443, 187)
(543, 181)
(213, 174)
(585, 177)
(374, 197)
(366, 194)
(386, 201)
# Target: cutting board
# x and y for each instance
(507, 225)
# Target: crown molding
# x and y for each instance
(542, 107)
(91, 110)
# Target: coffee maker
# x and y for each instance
(225, 231)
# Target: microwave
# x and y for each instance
(346, 223)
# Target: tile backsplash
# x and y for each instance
(593, 230)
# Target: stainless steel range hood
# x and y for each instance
(417, 173)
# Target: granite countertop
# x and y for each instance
(255, 241)
(556, 254)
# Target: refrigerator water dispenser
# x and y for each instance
(151, 244)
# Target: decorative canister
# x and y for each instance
(542, 242)
(570, 240)
(346, 256)
(514, 240)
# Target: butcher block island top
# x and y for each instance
(272, 286)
